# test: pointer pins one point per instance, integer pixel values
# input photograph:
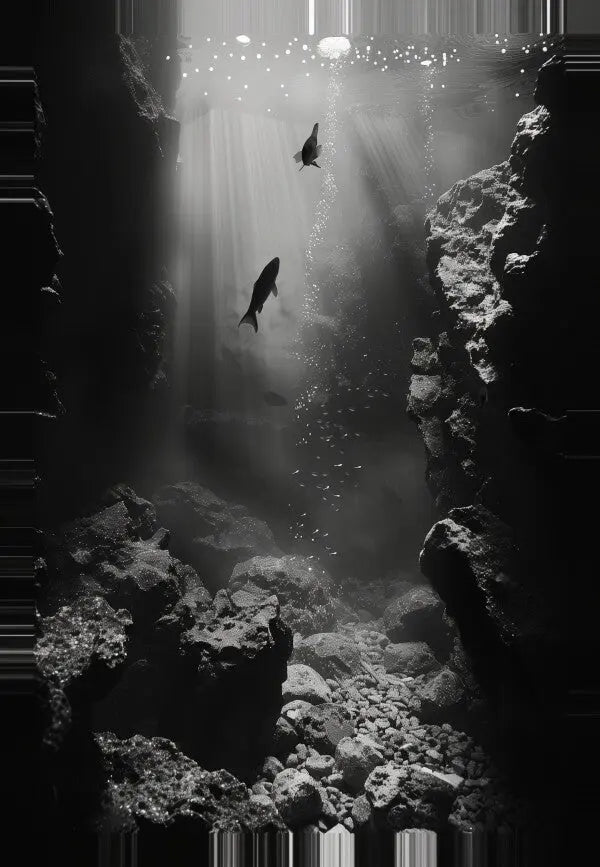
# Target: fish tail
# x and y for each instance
(250, 319)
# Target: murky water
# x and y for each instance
(306, 419)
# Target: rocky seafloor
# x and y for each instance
(266, 702)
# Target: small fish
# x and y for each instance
(310, 150)
(274, 399)
(261, 291)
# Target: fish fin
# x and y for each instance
(302, 166)
(259, 309)
(298, 156)
(250, 319)
(319, 149)
(274, 290)
(315, 164)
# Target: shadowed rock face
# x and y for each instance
(487, 394)
(184, 651)
(210, 533)
(150, 781)
(304, 589)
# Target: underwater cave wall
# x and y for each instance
(488, 394)
(108, 162)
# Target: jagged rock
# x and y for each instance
(361, 811)
(271, 767)
(323, 727)
(410, 658)
(319, 766)
(416, 616)
(306, 684)
(83, 646)
(356, 758)
(285, 738)
(144, 522)
(303, 588)
(297, 797)
(331, 654)
(425, 359)
(152, 781)
(453, 780)
(237, 629)
(294, 709)
(443, 698)
(233, 659)
(209, 533)
(384, 785)
(471, 559)
(425, 391)
(410, 796)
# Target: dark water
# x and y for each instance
(334, 465)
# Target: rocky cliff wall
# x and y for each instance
(488, 394)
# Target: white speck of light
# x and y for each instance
(246, 86)
(516, 94)
(191, 46)
(185, 74)
(197, 70)
(287, 50)
(208, 38)
(504, 51)
(243, 57)
(228, 78)
(168, 56)
(210, 69)
(243, 39)
(206, 93)
(268, 68)
(258, 56)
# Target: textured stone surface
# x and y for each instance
(323, 727)
(331, 654)
(83, 642)
(209, 533)
(443, 698)
(356, 758)
(410, 797)
(410, 658)
(305, 684)
(150, 780)
(297, 797)
(302, 586)
(416, 616)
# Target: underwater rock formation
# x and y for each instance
(210, 533)
(185, 651)
(304, 589)
(151, 782)
(495, 256)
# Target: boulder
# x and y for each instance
(209, 533)
(417, 616)
(361, 811)
(305, 684)
(233, 660)
(323, 727)
(297, 797)
(319, 766)
(443, 698)
(303, 588)
(410, 658)
(83, 647)
(152, 781)
(331, 654)
(356, 758)
(285, 738)
(410, 797)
